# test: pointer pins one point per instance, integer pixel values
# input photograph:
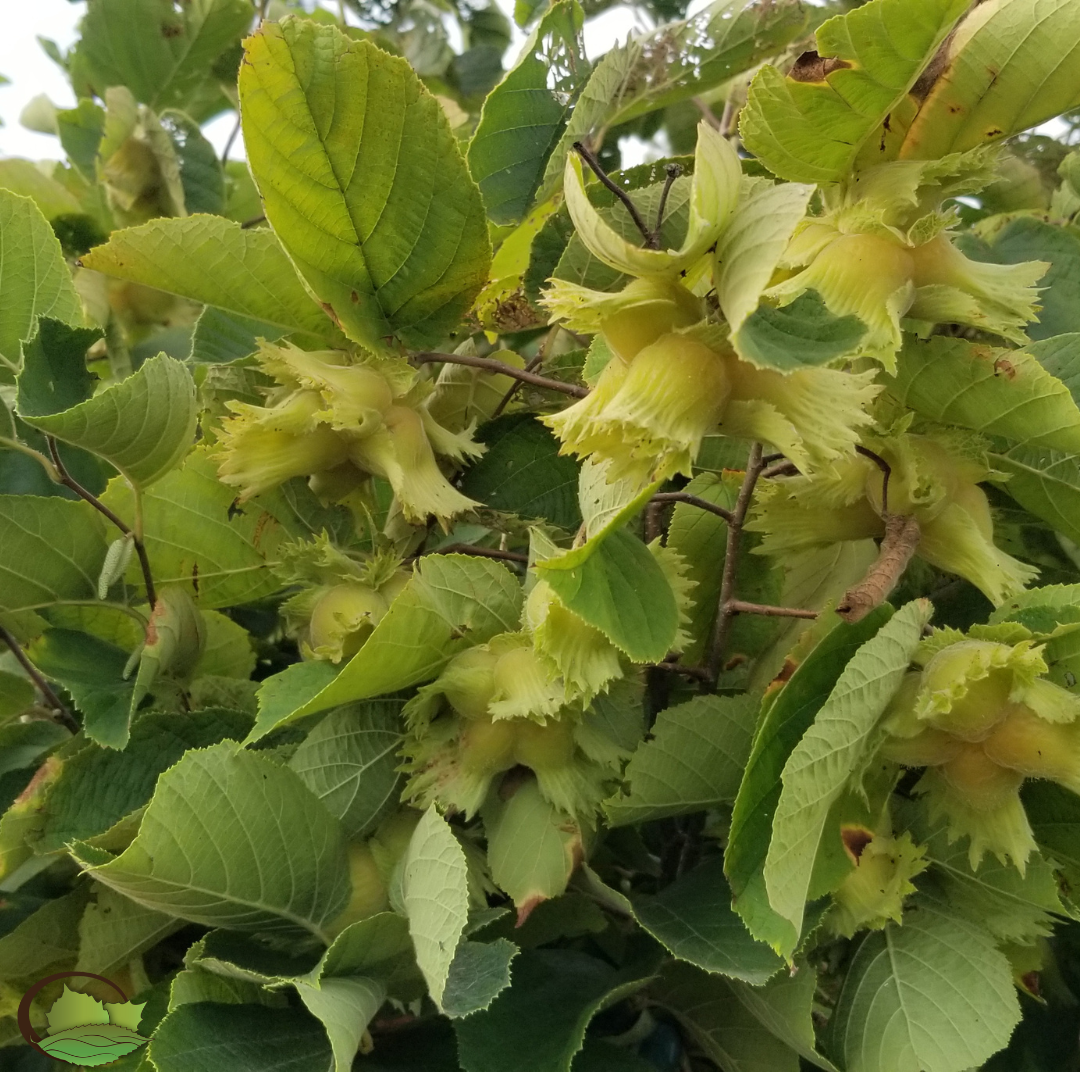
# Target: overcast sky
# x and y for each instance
(31, 72)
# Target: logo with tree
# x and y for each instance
(82, 1030)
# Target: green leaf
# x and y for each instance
(161, 53)
(739, 1027)
(349, 759)
(374, 203)
(523, 473)
(50, 549)
(97, 787)
(754, 242)
(1014, 70)
(22, 177)
(96, 1044)
(533, 848)
(75, 1009)
(1054, 814)
(933, 994)
(81, 130)
(692, 918)
(614, 583)
(55, 377)
(996, 391)
(804, 333)
(1045, 482)
(201, 174)
(784, 721)
(143, 426)
(221, 337)
(196, 535)
(47, 939)
(345, 1007)
(524, 116)
(831, 755)
(16, 695)
(1025, 237)
(479, 974)
(435, 895)
(231, 838)
(34, 279)
(21, 745)
(214, 261)
(92, 671)
(809, 128)
(1011, 906)
(115, 930)
(693, 760)
(206, 1037)
(450, 603)
(538, 1024)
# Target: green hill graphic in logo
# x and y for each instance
(83, 1031)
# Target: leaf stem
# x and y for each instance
(691, 500)
(503, 369)
(41, 459)
(68, 481)
(39, 681)
(674, 171)
(532, 365)
(590, 159)
(725, 611)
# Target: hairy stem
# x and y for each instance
(589, 158)
(70, 482)
(503, 369)
(41, 459)
(897, 547)
(39, 681)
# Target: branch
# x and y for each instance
(590, 160)
(531, 366)
(897, 547)
(886, 470)
(691, 500)
(483, 552)
(725, 613)
(674, 171)
(39, 681)
(140, 548)
(485, 364)
(742, 607)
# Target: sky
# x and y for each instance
(32, 73)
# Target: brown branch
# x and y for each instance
(781, 468)
(39, 681)
(483, 552)
(589, 158)
(742, 607)
(258, 219)
(691, 500)
(897, 547)
(140, 548)
(690, 672)
(485, 364)
(725, 613)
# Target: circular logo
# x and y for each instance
(82, 1030)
